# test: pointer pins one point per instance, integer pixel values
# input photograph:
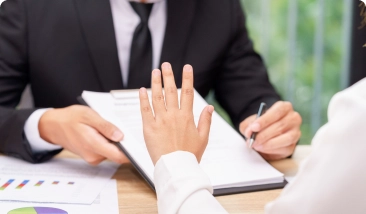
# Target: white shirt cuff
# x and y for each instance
(177, 176)
(31, 131)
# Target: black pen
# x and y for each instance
(261, 111)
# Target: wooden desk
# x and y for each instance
(135, 196)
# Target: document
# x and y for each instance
(227, 160)
(60, 180)
(106, 202)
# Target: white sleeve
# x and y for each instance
(182, 186)
(332, 179)
(31, 131)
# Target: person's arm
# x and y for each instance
(31, 132)
(176, 145)
(332, 179)
(242, 83)
(182, 186)
(78, 129)
(13, 79)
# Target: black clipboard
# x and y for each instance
(217, 192)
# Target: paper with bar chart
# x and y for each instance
(57, 181)
(106, 202)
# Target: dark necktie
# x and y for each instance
(141, 49)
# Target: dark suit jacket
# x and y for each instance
(62, 47)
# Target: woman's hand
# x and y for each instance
(170, 127)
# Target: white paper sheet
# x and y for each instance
(227, 160)
(57, 181)
(106, 202)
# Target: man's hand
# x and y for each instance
(171, 127)
(82, 131)
(278, 131)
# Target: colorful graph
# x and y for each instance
(22, 184)
(37, 210)
(39, 183)
(3, 187)
(25, 182)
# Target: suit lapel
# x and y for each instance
(179, 22)
(97, 26)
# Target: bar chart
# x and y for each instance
(56, 181)
(19, 184)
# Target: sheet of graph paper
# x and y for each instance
(106, 202)
(59, 180)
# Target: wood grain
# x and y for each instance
(135, 196)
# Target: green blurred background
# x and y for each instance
(304, 45)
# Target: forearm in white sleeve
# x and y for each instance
(32, 133)
(182, 186)
(333, 177)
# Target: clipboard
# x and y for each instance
(216, 192)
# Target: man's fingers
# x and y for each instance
(157, 93)
(275, 145)
(93, 159)
(272, 157)
(279, 154)
(107, 129)
(244, 126)
(187, 93)
(275, 113)
(289, 122)
(106, 149)
(146, 112)
(170, 88)
(204, 122)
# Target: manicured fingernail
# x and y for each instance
(142, 90)
(117, 136)
(210, 109)
(156, 72)
(255, 126)
(166, 65)
(188, 68)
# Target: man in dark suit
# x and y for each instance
(62, 47)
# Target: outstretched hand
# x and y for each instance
(168, 126)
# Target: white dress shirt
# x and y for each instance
(125, 21)
(331, 180)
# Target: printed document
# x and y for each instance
(59, 180)
(106, 202)
(227, 160)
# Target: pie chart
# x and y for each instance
(37, 210)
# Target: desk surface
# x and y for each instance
(135, 196)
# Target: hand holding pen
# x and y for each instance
(276, 131)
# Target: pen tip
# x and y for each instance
(251, 143)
